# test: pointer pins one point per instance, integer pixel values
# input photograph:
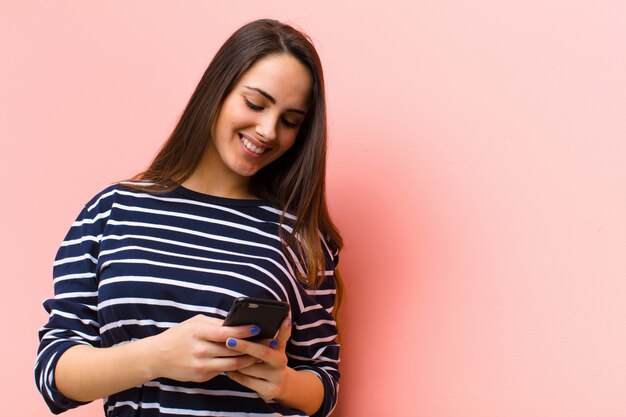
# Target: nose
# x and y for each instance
(266, 127)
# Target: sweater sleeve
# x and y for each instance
(313, 345)
(73, 311)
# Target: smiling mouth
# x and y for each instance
(250, 146)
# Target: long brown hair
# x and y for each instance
(295, 182)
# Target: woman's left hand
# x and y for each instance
(268, 377)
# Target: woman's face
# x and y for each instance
(260, 118)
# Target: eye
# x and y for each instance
(252, 105)
(289, 124)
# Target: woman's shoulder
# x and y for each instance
(105, 197)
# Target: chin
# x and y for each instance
(247, 172)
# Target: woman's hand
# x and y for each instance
(269, 374)
(194, 350)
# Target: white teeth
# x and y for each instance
(250, 146)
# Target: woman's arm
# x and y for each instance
(85, 373)
(191, 351)
(303, 390)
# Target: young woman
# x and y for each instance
(233, 205)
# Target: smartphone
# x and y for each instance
(267, 314)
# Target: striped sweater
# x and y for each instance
(135, 263)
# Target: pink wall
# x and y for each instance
(477, 170)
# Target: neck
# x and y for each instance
(214, 178)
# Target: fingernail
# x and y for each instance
(231, 342)
(273, 343)
(255, 330)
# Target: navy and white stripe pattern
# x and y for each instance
(135, 263)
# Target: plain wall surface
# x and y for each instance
(477, 170)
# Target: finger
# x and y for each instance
(265, 389)
(229, 364)
(258, 350)
(273, 343)
(216, 349)
(257, 370)
(284, 333)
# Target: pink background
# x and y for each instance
(477, 171)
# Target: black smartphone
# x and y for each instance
(267, 314)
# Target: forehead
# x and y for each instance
(283, 77)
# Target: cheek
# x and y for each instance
(289, 139)
(232, 116)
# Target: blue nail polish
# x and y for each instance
(273, 344)
(255, 330)
(231, 342)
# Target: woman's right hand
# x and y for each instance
(195, 350)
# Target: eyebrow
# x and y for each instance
(272, 99)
